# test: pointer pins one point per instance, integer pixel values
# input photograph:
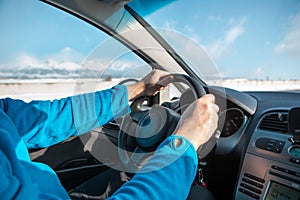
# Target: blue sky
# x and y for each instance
(253, 39)
(34, 28)
(257, 38)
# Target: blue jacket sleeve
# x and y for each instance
(44, 123)
(167, 175)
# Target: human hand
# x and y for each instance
(150, 85)
(199, 121)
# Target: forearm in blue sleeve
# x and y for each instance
(44, 123)
(167, 175)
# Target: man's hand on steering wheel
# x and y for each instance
(150, 85)
(199, 121)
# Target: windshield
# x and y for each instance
(248, 46)
(254, 45)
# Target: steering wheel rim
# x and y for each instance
(135, 123)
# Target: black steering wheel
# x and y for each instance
(144, 129)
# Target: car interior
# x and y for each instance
(256, 155)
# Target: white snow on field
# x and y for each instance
(262, 85)
(50, 89)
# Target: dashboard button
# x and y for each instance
(295, 160)
(275, 167)
(270, 144)
(251, 188)
(286, 170)
(252, 183)
(248, 193)
(285, 177)
(254, 177)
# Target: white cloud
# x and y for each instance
(233, 34)
(67, 58)
(221, 45)
(27, 61)
(290, 44)
(68, 66)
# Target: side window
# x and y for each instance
(49, 54)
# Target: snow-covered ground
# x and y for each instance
(262, 85)
(49, 89)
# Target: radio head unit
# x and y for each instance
(278, 191)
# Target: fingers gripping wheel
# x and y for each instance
(143, 130)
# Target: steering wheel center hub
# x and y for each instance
(152, 128)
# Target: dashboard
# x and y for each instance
(271, 167)
(256, 153)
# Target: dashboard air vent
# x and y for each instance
(275, 122)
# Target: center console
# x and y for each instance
(271, 167)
